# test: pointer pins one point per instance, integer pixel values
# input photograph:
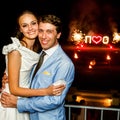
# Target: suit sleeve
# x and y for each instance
(45, 103)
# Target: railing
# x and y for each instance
(101, 113)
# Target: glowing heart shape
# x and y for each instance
(96, 39)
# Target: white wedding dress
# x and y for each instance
(29, 58)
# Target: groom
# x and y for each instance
(57, 65)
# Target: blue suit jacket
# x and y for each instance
(57, 66)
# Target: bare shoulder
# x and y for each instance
(14, 53)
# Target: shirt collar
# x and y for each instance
(51, 50)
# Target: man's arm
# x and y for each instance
(45, 103)
(42, 104)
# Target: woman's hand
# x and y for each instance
(55, 89)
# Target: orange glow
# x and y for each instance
(107, 102)
(108, 57)
(77, 36)
(82, 45)
(76, 56)
(79, 98)
(92, 62)
(90, 67)
(97, 39)
(116, 37)
(110, 46)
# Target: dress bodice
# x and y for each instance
(28, 59)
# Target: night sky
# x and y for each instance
(100, 16)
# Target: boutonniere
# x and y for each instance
(46, 73)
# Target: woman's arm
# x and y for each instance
(14, 64)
